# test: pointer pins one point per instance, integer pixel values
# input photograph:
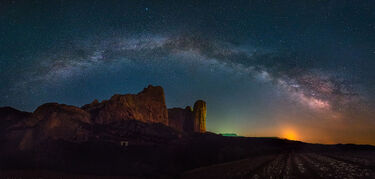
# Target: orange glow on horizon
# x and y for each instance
(289, 134)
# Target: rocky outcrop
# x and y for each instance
(55, 121)
(10, 117)
(58, 113)
(200, 116)
(142, 117)
(188, 120)
(147, 106)
(181, 119)
(9, 113)
(60, 121)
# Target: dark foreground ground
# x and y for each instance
(196, 156)
(283, 165)
(286, 165)
(293, 165)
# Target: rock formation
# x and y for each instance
(10, 117)
(60, 121)
(52, 121)
(142, 116)
(147, 106)
(57, 113)
(181, 119)
(200, 116)
(188, 120)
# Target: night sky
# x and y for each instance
(302, 70)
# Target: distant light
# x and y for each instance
(289, 134)
(230, 134)
(146, 9)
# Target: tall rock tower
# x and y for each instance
(199, 116)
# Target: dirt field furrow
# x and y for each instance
(286, 166)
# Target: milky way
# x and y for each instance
(313, 88)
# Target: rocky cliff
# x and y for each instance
(188, 120)
(51, 121)
(10, 117)
(146, 106)
(200, 116)
(60, 121)
(142, 116)
(181, 119)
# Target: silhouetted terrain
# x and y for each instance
(132, 136)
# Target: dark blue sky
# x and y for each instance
(265, 68)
